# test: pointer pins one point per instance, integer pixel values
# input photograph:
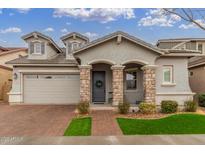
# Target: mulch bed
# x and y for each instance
(142, 116)
(157, 115)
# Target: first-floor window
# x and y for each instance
(131, 80)
(167, 74)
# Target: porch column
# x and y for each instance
(85, 91)
(117, 84)
(149, 83)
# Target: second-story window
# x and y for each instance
(37, 48)
(74, 46)
(200, 47)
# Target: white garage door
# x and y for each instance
(51, 89)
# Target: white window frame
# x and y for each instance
(74, 43)
(170, 67)
(197, 46)
(35, 48)
(136, 80)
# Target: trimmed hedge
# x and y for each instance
(201, 98)
(190, 106)
(169, 106)
(123, 108)
(83, 107)
(147, 108)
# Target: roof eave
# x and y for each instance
(77, 34)
(40, 64)
(115, 35)
(43, 36)
(181, 55)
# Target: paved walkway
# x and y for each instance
(34, 120)
(108, 140)
(104, 123)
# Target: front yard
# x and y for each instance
(79, 127)
(174, 124)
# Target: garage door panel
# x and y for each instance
(57, 89)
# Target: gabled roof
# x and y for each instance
(60, 59)
(36, 34)
(3, 48)
(74, 34)
(179, 40)
(6, 68)
(13, 51)
(124, 35)
(196, 61)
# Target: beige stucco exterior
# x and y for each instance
(6, 72)
(16, 94)
(50, 51)
(113, 56)
(118, 54)
(180, 89)
(10, 56)
(196, 79)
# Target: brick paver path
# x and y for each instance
(104, 123)
(34, 120)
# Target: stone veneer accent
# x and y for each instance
(117, 84)
(149, 83)
(85, 92)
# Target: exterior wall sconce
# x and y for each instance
(15, 76)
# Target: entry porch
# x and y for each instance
(104, 83)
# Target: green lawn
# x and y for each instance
(175, 124)
(79, 127)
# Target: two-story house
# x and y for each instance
(111, 69)
(196, 65)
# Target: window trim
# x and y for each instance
(72, 45)
(136, 80)
(35, 47)
(171, 74)
(197, 46)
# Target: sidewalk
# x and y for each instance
(108, 140)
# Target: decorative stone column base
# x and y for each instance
(85, 92)
(149, 83)
(117, 84)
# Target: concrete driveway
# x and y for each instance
(31, 120)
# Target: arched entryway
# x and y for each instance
(104, 82)
(101, 83)
(133, 83)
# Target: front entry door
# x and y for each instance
(98, 91)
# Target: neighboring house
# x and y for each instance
(197, 74)
(195, 64)
(107, 70)
(7, 54)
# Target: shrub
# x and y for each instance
(123, 108)
(190, 106)
(169, 106)
(201, 99)
(147, 108)
(83, 107)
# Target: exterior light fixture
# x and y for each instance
(15, 76)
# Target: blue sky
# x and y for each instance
(146, 24)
